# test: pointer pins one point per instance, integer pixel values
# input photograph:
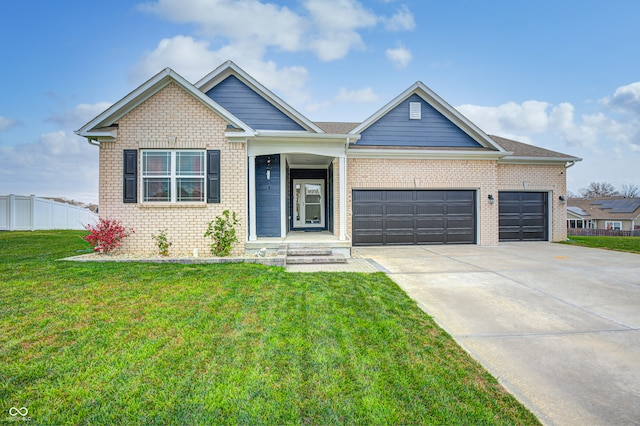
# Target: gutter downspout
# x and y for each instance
(92, 142)
(569, 164)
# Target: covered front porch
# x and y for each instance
(297, 192)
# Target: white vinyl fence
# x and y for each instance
(30, 213)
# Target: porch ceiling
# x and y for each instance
(308, 160)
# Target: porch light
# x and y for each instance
(563, 200)
(268, 169)
(491, 199)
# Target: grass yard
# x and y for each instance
(117, 343)
(629, 244)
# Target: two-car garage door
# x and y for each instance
(402, 217)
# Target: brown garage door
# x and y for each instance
(523, 216)
(404, 217)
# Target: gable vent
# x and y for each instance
(415, 111)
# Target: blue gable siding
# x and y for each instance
(250, 107)
(268, 197)
(432, 130)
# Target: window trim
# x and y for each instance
(173, 176)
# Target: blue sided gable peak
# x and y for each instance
(433, 129)
(249, 106)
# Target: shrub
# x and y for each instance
(162, 242)
(223, 232)
(106, 235)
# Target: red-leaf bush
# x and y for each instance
(105, 236)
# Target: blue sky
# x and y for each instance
(563, 75)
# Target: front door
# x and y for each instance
(308, 203)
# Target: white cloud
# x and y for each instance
(266, 24)
(402, 20)
(7, 123)
(626, 98)
(599, 133)
(79, 115)
(328, 28)
(399, 56)
(58, 164)
(363, 95)
(528, 117)
(193, 60)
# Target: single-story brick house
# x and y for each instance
(174, 155)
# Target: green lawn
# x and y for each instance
(630, 244)
(117, 343)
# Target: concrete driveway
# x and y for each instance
(559, 326)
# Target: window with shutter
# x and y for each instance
(130, 176)
(213, 176)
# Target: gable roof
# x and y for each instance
(522, 152)
(608, 208)
(218, 75)
(336, 127)
(439, 104)
(102, 128)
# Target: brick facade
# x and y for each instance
(539, 177)
(485, 176)
(173, 119)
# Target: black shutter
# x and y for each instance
(130, 176)
(213, 176)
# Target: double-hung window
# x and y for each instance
(173, 176)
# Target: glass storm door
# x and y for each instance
(308, 203)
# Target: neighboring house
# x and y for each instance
(174, 155)
(610, 213)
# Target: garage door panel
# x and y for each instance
(430, 238)
(368, 224)
(371, 196)
(456, 238)
(468, 196)
(509, 196)
(523, 216)
(396, 224)
(399, 209)
(533, 221)
(459, 223)
(399, 196)
(536, 197)
(370, 239)
(429, 209)
(414, 217)
(375, 210)
(399, 238)
(461, 209)
(430, 195)
(509, 209)
(431, 223)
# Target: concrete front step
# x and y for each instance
(310, 260)
(309, 251)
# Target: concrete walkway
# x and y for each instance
(558, 325)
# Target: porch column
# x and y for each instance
(343, 197)
(284, 213)
(252, 199)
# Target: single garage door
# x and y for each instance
(403, 217)
(523, 216)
